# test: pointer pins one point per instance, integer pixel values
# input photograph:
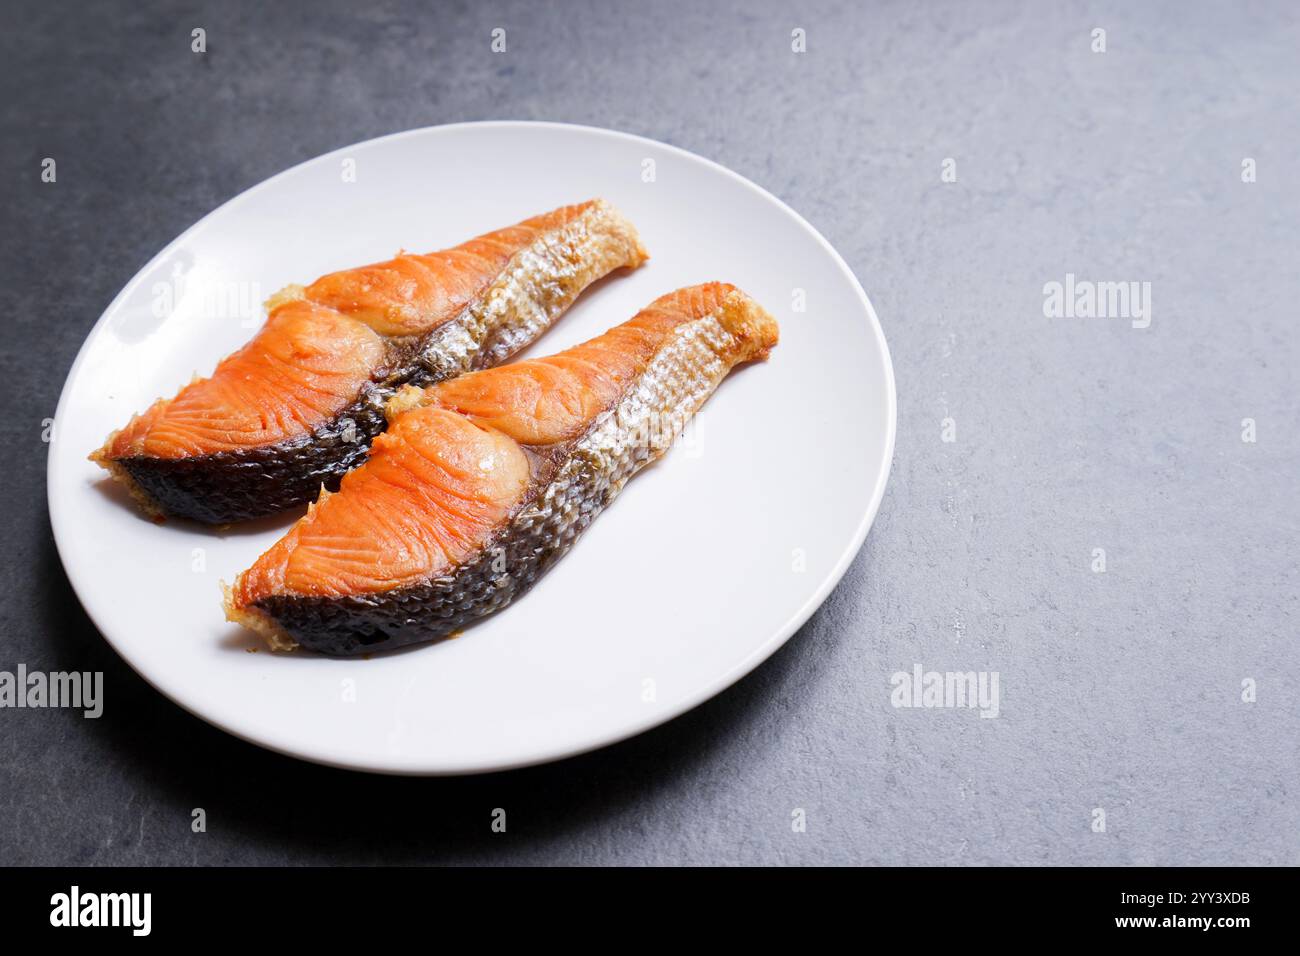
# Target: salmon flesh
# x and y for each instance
(299, 405)
(483, 482)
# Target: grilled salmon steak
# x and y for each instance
(299, 405)
(481, 483)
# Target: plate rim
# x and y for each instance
(659, 717)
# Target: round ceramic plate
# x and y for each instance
(704, 566)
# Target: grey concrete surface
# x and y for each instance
(1119, 690)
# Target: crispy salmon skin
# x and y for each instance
(299, 405)
(483, 482)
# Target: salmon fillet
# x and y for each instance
(483, 482)
(298, 405)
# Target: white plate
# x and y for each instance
(705, 565)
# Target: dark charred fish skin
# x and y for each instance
(346, 627)
(571, 485)
(226, 487)
(531, 292)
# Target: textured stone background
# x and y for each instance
(1119, 690)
